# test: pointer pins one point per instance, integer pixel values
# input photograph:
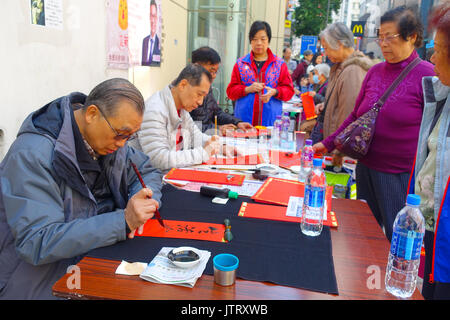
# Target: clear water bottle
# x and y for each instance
(406, 244)
(306, 161)
(263, 148)
(314, 200)
(284, 134)
(275, 139)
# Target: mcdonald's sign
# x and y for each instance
(358, 28)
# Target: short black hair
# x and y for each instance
(153, 3)
(107, 95)
(193, 73)
(408, 23)
(205, 55)
(258, 26)
(315, 56)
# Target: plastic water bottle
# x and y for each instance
(263, 148)
(276, 132)
(314, 200)
(406, 244)
(306, 161)
(284, 135)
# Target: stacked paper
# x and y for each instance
(162, 270)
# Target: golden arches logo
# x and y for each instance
(357, 28)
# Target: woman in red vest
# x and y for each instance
(260, 75)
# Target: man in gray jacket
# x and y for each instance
(67, 187)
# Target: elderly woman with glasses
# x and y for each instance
(382, 175)
(260, 81)
(346, 76)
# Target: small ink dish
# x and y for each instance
(184, 257)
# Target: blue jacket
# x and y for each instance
(48, 216)
(435, 91)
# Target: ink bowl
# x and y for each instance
(267, 168)
(184, 257)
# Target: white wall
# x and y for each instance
(40, 63)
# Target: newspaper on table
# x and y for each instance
(162, 270)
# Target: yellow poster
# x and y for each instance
(123, 14)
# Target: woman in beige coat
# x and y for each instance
(346, 75)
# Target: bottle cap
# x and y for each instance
(233, 195)
(278, 117)
(413, 199)
(308, 142)
(317, 162)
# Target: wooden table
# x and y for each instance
(360, 250)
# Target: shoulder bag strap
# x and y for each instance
(397, 81)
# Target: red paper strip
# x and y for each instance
(278, 191)
(206, 176)
(251, 159)
(308, 106)
(184, 230)
(269, 212)
(284, 159)
(250, 134)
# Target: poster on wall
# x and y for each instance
(47, 13)
(134, 33)
(151, 42)
(117, 34)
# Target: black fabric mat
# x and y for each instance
(271, 251)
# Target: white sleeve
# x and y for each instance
(154, 138)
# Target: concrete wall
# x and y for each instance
(273, 12)
(40, 64)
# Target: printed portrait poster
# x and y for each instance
(151, 34)
(117, 34)
(47, 13)
(37, 12)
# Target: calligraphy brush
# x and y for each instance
(157, 215)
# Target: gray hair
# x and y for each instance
(323, 69)
(108, 94)
(338, 33)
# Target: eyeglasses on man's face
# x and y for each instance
(118, 137)
(387, 39)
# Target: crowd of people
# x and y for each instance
(77, 192)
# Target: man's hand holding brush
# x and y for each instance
(139, 209)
